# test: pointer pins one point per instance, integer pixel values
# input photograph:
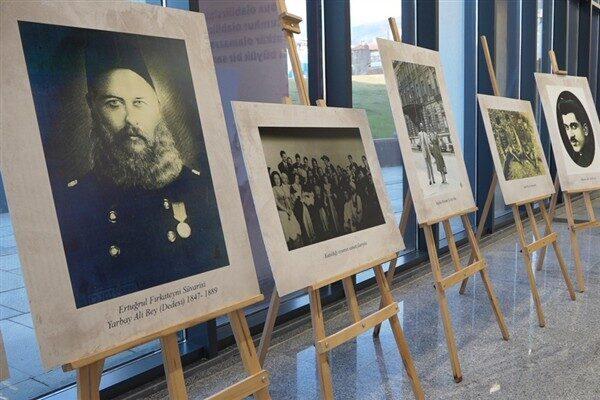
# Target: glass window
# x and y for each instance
(537, 107)
(253, 69)
(180, 4)
(595, 54)
(369, 92)
(506, 57)
(452, 53)
(298, 7)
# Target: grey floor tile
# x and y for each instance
(10, 281)
(16, 299)
(21, 348)
(10, 262)
(23, 319)
(6, 312)
(24, 390)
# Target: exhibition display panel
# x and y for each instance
(121, 184)
(126, 206)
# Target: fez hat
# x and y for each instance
(107, 51)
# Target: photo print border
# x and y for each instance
(64, 333)
(297, 269)
(458, 199)
(515, 190)
(573, 178)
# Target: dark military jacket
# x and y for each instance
(120, 241)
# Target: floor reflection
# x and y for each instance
(556, 362)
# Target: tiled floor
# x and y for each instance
(560, 361)
(28, 379)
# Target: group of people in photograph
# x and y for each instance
(317, 201)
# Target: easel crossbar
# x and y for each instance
(244, 388)
(330, 342)
(461, 274)
(543, 242)
(586, 225)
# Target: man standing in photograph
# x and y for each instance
(436, 153)
(426, 150)
(285, 166)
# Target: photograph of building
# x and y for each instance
(427, 127)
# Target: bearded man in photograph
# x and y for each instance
(139, 217)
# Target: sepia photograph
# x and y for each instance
(318, 190)
(575, 129)
(428, 129)
(321, 182)
(126, 159)
(518, 148)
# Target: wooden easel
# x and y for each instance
(89, 369)
(476, 265)
(574, 226)
(359, 325)
(541, 242)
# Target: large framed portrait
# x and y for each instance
(516, 149)
(573, 125)
(318, 190)
(118, 173)
(431, 150)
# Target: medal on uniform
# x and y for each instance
(183, 228)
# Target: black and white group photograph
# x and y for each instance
(575, 129)
(427, 126)
(519, 152)
(126, 158)
(321, 182)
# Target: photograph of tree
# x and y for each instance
(518, 150)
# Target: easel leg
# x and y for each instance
(443, 303)
(389, 277)
(267, 333)
(351, 299)
(557, 251)
(318, 324)
(473, 241)
(387, 298)
(574, 242)
(529, 266)
(487, 283)
(551, 210)
(407, 208)
(88, 381)
(484, 213)
(173, 369)
(245, 344)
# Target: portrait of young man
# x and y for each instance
(575, 129)
(126, 159)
